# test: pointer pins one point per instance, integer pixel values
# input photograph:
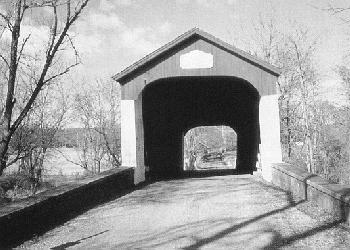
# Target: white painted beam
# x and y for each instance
(270, 147)
(130, 141)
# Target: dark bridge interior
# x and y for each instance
(172, 106)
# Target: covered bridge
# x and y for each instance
(197, 80)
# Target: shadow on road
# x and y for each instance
(69, 215)
(192, 230)
(73, 243)
(279, 241)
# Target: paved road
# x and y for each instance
(225, 212)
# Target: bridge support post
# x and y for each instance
(270, 147)
(132, 139)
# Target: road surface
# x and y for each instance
(224, 212)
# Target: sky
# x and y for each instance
(112, 34)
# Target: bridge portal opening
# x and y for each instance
(172, 106)
(210, 148)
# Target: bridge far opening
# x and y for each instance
(209, 148)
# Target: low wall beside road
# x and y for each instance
(26, 218)
(333, 198)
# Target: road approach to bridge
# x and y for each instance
(222, 212)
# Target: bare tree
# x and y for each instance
(59, 27)
(33, 141)
(98, 112)
(344, 73)
(272, 46)
(340, 10)
(292, 50)
(191, 144)
(307, 80)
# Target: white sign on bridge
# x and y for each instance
(196, 59)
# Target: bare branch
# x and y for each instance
(77, 57)
(75, 163)
(22, 48)
(336, 11)
(46, 67)
(61, 73)
(7, 20)
(68, 11)
(5, 60)
(53, 31)
(17, 158)
(108, 146)
(47, 3)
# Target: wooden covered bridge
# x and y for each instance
(197, 80)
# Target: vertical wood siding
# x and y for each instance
(225, 64)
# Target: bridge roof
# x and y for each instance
(191, 34)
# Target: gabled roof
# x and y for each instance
(196, 33)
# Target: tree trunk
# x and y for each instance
(289, 132)
(3, 154)
(5, 122)
(192, 161)
(308, 137)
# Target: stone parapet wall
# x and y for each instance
(32, 216)
(333, 198)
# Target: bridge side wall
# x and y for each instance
(303, 186)
(21, 220)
